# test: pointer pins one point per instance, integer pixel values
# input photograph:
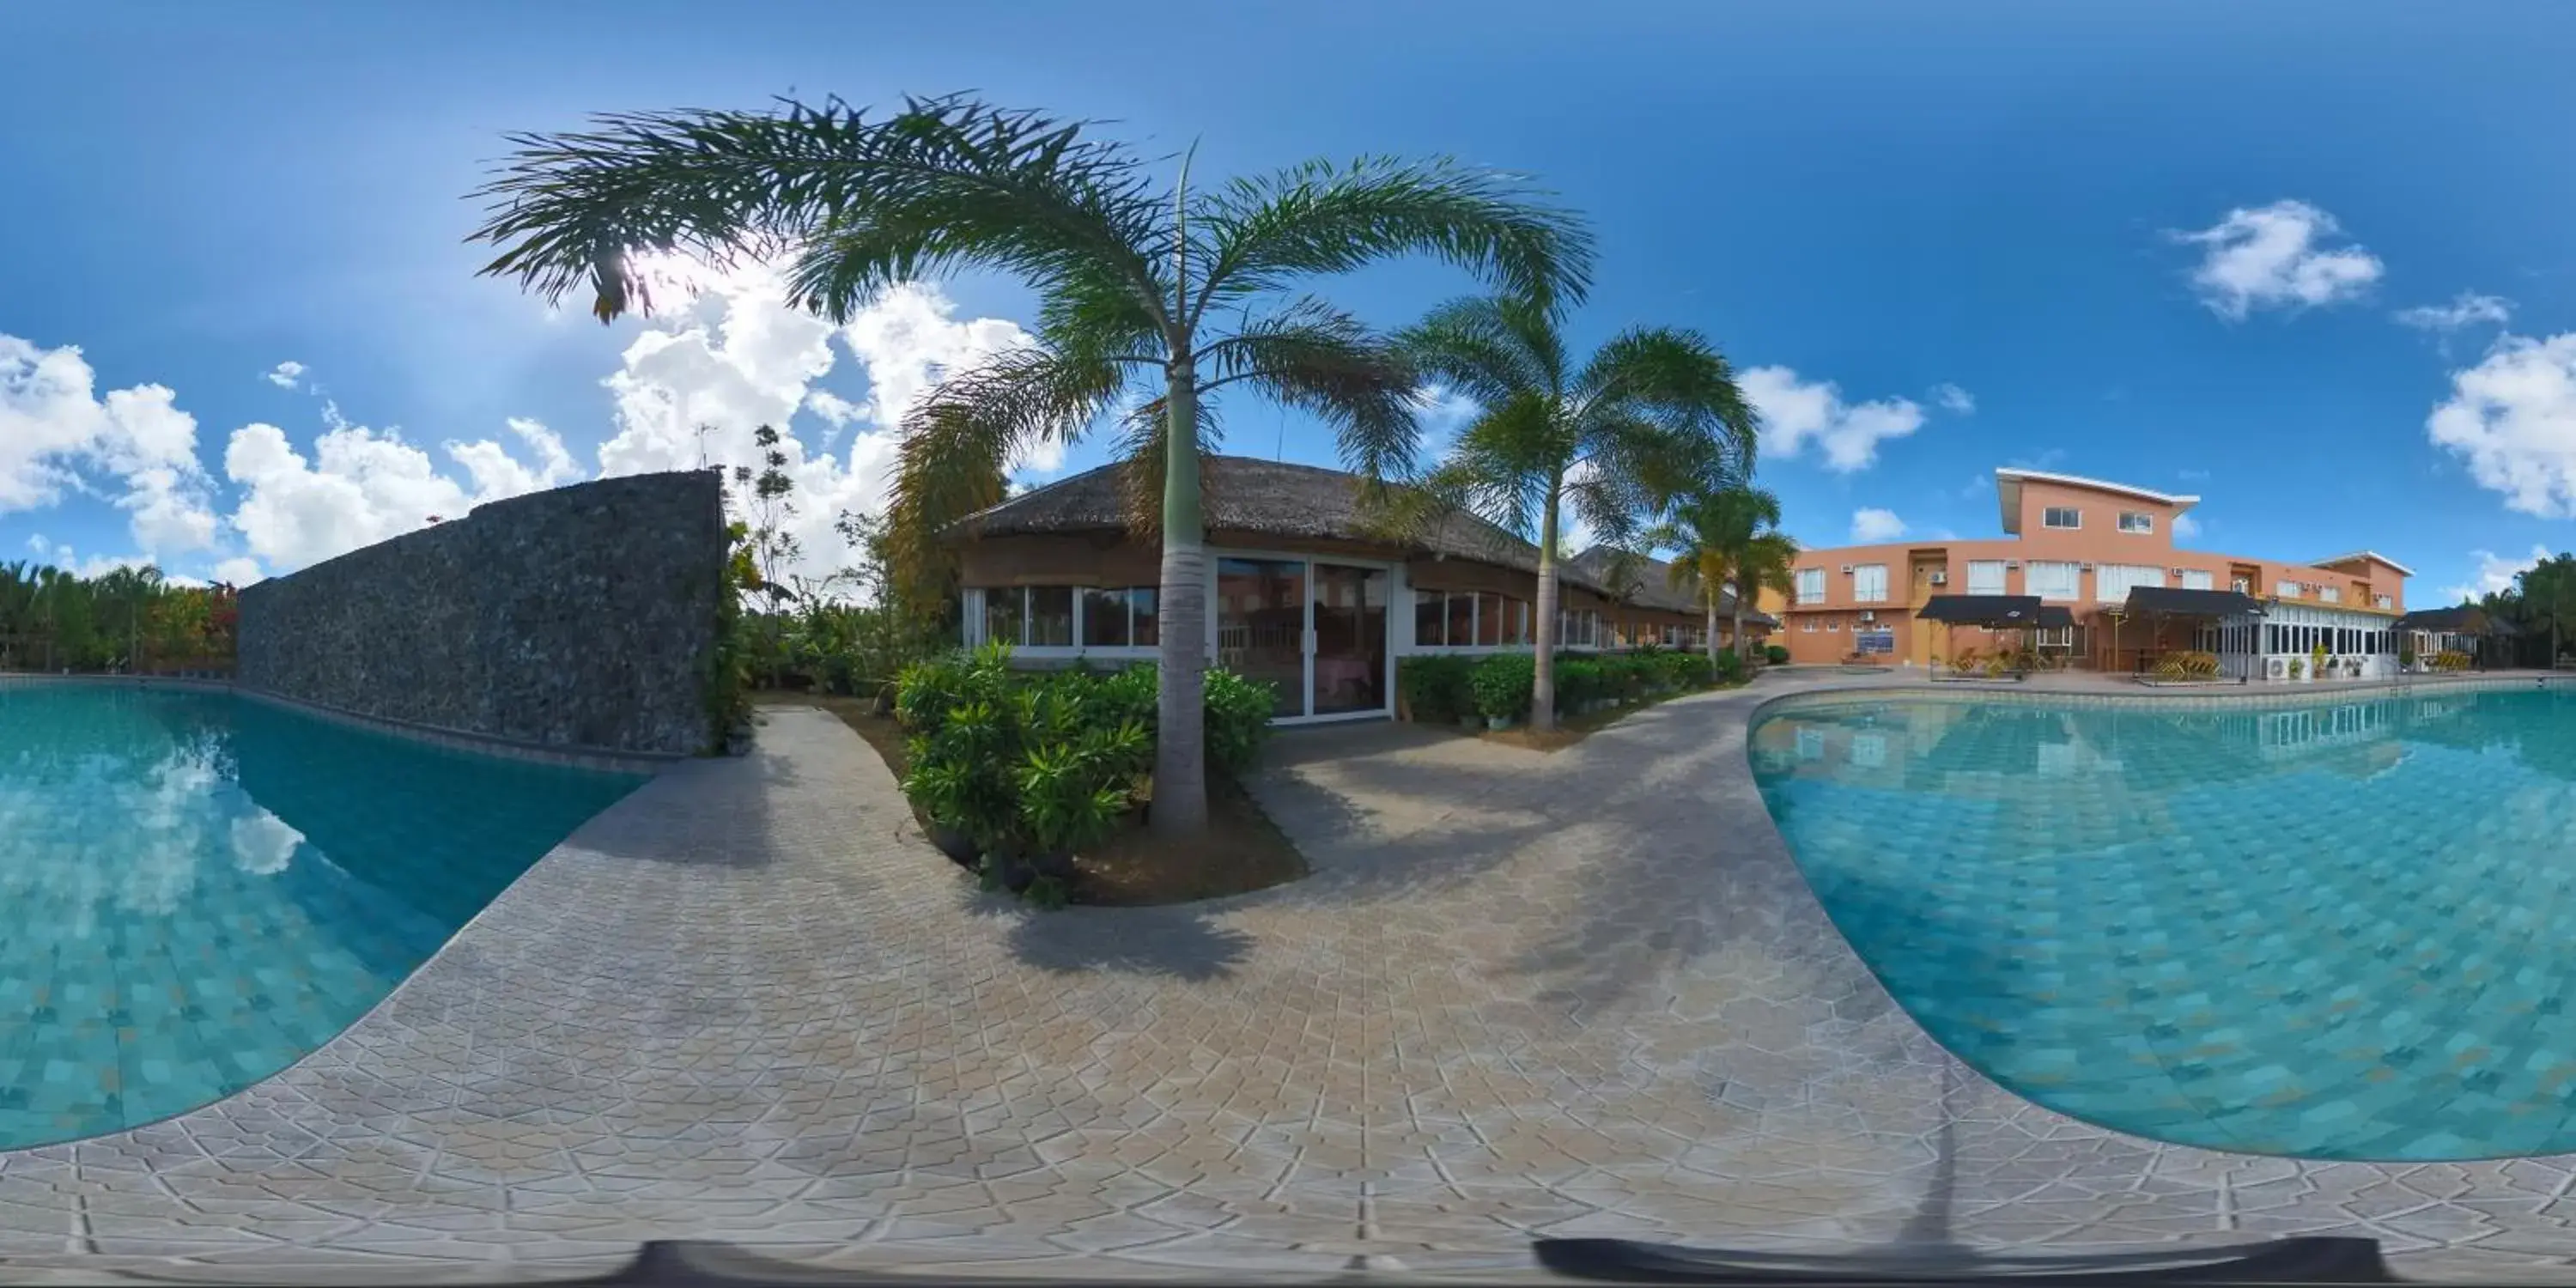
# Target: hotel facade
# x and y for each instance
(2083, 545)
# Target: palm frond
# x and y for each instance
(958, 441)
(860, 203)
(1326, 362)
(1260, 234)
(1144, 433)
(1490, 349)
(1677, 379)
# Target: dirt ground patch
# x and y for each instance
(1241, 851)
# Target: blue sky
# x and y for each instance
(2309, 261)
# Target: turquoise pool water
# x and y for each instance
(197, 890)
(2345, 930)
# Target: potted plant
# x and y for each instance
(2317, 662)
(2298, 669)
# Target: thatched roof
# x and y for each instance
(1647, 581)
(1276, 498)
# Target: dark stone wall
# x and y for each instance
(582, 617)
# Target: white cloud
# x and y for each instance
(2185, 527)
(1870, 525)
(239, 571)
(1441, 412)
(1796, 412)
(2495, 573)
(2272, 257)
(359, 487)
(497, 474)
(285, 374)
(2466, 310)
(1953, 399)
(2512, 418)
(736, 357)
(36, 542)
(57, 436)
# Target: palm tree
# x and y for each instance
(1176, 289)
(1725, 536)
(1610, 442)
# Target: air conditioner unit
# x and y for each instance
(1940, 579)
(2012, 565)
(1847, 570)
(2087, 567)
(2178, 572)
(1868, 616)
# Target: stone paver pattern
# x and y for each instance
(1523, 994)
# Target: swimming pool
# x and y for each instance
(2340, 930)
(197, 890)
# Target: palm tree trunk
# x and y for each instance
(1710, 630)
(1743, 654)
(1543, 640)
(1180, 748)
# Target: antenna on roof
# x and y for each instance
(1279, 450)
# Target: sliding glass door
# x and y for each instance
(1315, 632)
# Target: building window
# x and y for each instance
(1430, 620)
(2329, 594)
(2137, 521)
(1462, 618)
(2112, 582)
(1118, 618)
(1005, 608)
(1985, 576)
(2061, 516)
(2198, 579)
(1050, 617)
(1807, 624)
(2050, 580)
(2384, 601)
(2286, 589)
(1869, 583)
(1811, 585)
(1833, 623)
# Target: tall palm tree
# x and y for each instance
(1610, 442)
(1180, 291)
(1725, 536)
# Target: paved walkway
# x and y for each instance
(1522, 994)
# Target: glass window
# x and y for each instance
(1833, 623)
(2330, 594)
(1004, 611)
(2286, 589)
(1807, 624)
(1050, 616)
(1430, 620)
(1489, 618)
(1516, 620)
(1104, 618)
(2112, 582)
(1462, 617)
(2384, 601)
(2137, 521)
(2198, 579)
(1811, 585)
(2061, 516)
(1869, 583)
(1985, 576)
(1143, 608)
(2052, 580)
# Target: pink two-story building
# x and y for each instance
(2083, 544)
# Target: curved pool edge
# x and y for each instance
(1828, 695)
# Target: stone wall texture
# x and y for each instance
(579, 617)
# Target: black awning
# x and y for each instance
(2173, 601)
(2054, 616)
(1982, 610)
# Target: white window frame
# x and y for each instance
(2112, 582)
(1807, 625)
(2049, 513)
(1860, 575)
(1978, 572)
(2138, 522)
(1521, 626)
(1811, 585)
(2199, 579)
(2384, 601)
(2286, 588)
(2329, 594)
(1833, 625)
(2031, 583)
(975, 597)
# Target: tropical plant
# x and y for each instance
(1502, 683)
(1607, 443)
(1435, 686)
(1726, 536)
(2547, 591)
(1181, 288)
(128, 619)
(1776, 654)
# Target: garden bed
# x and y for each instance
(1241, 851)
(1570, 730)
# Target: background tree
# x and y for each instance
(2548, 598)
(1610, 442)
(1725, 535)
(1180, 289)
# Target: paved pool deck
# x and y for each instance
(1523, 994)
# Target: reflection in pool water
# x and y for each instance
(2340, 930)
(198, 890)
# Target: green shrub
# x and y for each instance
(1729, 667)
(1683, 670)
(1776, 654)
(1578, 680)
(1628, 675)
(1238, 719)
(1502, 682)
(1437, 687)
